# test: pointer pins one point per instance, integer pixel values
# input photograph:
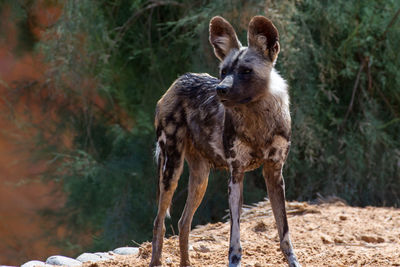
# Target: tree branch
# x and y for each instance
(355, 87)
(152, 4)
(396, 15)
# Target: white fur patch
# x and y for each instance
(162, 138)
(278, 88)
(243, 54)
(157, 152)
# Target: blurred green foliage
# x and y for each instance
(112, 60)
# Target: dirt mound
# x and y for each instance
(323, 235)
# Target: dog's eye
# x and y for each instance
(247, 71)
(223, 72)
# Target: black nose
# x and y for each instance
(222, 89)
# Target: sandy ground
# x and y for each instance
(330, 234)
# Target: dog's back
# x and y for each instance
(191, 117)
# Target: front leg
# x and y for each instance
(235, 191)
(276, 192)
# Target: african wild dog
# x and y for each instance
(238, 122)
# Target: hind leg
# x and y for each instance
(198, 180)
(170, 164)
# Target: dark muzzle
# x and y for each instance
(222, 89)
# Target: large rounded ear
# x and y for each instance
(222, 37)
(264, 37)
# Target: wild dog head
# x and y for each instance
(244, 71)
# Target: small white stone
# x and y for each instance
(34, 263)
(126, 251)
(104, 255)
(84, 257)
(62, 260)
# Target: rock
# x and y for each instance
(372, 239)
(34, 263)
(126, 251)
(368, 239)
(62, 260)
(343, 217)
(326, 239)
(260, 227)
(338, 240)
(104, 255)
(84, 257)
(168, 261)
(202, 249)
